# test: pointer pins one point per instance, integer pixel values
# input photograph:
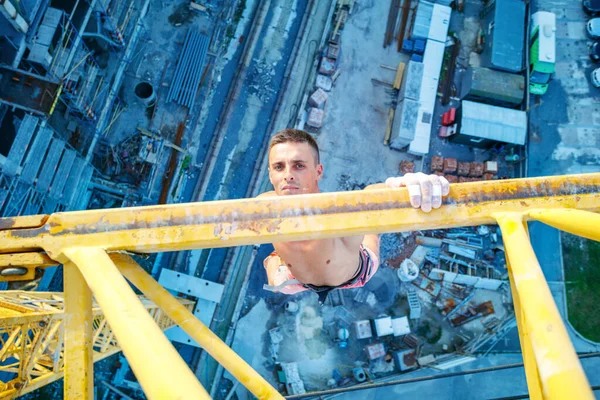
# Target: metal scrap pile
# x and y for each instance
(132, 160)
(471, 256)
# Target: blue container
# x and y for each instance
(419, 46)
(407, 46)
(416, 57)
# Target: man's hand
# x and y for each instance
(425, 191)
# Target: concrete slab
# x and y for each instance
(208, 294)
(357, 111)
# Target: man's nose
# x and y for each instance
(289, 176)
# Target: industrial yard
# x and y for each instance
(107, 104)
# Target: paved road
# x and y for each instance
(561, 137)
(247, 127)
(488, 385)
(564, 137)
(565, 122)
(246, 130)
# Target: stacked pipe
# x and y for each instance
(188, 72)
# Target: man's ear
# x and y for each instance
(319, 172)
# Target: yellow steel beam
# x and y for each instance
(26, 221)
(196, 329)
(79, 369)
(316, 216)
(577, 222)
(146, 347)
(88, 235)
(556, 364)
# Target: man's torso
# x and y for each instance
(325, 262)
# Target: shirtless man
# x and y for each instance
(327, 264)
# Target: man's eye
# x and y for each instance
(300, 166)
(277, 168)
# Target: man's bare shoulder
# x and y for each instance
(267, 194)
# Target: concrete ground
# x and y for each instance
(565, 122)
(466, 25)
(486, 385)
(564, 136)
(351, 139)
(356, 121)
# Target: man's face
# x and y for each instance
(293, 169)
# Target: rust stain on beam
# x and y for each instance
(247, 221)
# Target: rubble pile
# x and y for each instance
(327, 73)
(132, 159)
(261, 81)
(463, 171)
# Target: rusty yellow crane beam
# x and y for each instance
(32, 338)
(91, 245)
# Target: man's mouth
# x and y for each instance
(290, 187)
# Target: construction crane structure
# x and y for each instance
(32, 336)
(93, 246)
(63, 65)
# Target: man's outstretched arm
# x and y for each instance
(425, 191)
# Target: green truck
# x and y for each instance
(542, 55)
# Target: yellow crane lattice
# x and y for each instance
(90, 245)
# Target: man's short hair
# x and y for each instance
(295, 136)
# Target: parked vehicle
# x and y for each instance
(596, 77)
(593, 28)
(595, 51)
(543, 51)
(591, 7)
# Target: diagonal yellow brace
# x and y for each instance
(196, 329)
(558, 367)
(577, 222)
(146, 347)
(531, 369)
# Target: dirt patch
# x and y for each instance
(582, 275)
(181, 15)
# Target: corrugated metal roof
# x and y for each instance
(50, 165)
(432, 21)
(509, 31)
(72, 180)
(36, 155)
(489, 83)
(44, 35)
(80, 199)
(422, 20)
(60, 179)
(20, 144)
(495, 123)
